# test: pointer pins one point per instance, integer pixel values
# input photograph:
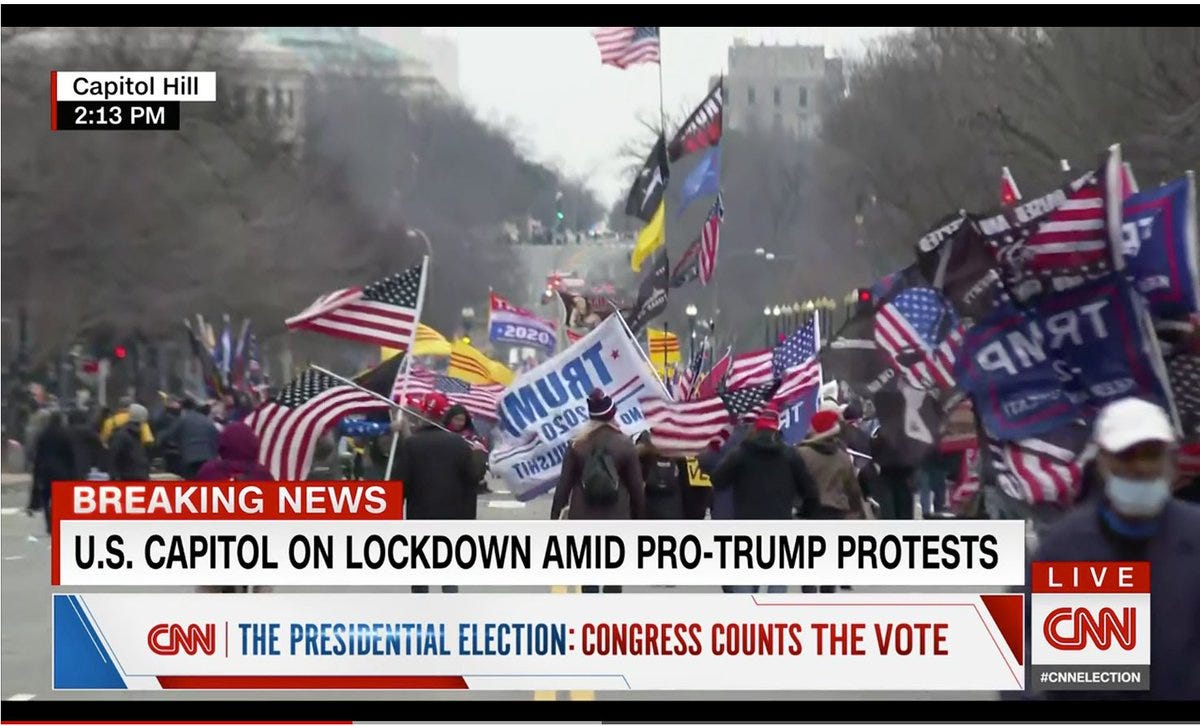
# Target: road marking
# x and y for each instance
(10, 510)
(505, 504)
(21, 697)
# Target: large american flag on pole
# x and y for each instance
(710, 239)
(921, 336)
(623, 47)
(289, 425)
(382, 313)
(480, 399)
(796, 364)
(685, 428)
(1040, 470)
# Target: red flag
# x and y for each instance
(711, 382)
(1009, 194)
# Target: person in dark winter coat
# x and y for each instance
(437, 470)
(892, 480)
(194, 436)
(85, 441)
(600, 431)
(237, 457)
(765, 475)
(665, 479)
(128, 459)
(1134, 519)
(710, 459)
(600, 435)
(54, 460)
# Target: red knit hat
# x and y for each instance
(824, 424)
(434, 405)
(768, 420)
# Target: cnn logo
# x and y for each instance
(1067, 628)
(171, 638)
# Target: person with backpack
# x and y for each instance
(128, 458)
(765, 476)
(665, 480)
(600, 478)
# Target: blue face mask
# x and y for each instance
(1137, 498)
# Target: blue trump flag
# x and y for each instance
(795, 418)
(705, 179)
(1036, 370)
(1159, 245)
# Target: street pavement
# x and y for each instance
(25, 623)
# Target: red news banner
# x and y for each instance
(161, 502)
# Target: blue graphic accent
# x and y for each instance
(80, 659)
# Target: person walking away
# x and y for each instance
(196, 438)
(766, 476)
(90, 454)
(54, 460)
(832, 470)
(128, 458)
(708, 461)
(437, 471)
(236, 460)
(325, 464)
(1136, 519)
(891, 480)
(458, 420)
(665, 479)
(600, 476)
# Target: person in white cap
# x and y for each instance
(1136, 519)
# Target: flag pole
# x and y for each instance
(662, 113)
(641, 352)
(406, 365)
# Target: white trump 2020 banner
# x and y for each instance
(545, 407)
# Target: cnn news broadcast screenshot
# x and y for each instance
(597, 373)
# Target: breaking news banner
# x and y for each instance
(659, 641)
(1090, 626)
(125, 100)
(350, 533)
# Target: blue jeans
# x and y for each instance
(750, 589)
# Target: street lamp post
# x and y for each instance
(419, 234)
(767, 325)
(775, 313)
(691, 313)
(468, 317)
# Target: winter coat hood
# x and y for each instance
(237, 443)
(764, 441)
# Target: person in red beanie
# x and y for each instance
(765, 476)
(831, 468)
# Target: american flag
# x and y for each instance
(1183, 373)
(480, 399)
(623, 47)
(1037, 471)
(289, 425)
(921, 336)
(751, 369)
(685, 428)
(710, 239)
(687, 379)
(382, 313)
(796, 364)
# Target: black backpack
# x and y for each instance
(601, 485)
(661, 477)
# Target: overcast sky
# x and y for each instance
(547, 86)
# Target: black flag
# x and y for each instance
(702, 129)
(650, 184)
(687, 267)
(652, 294)
(852, 357)
(957, 262)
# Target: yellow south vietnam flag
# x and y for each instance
(650, 238)
(468, 364)
(663, 350)
(428, 342)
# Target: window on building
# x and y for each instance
(261, 106)
(291, 103)
(750, 95)
(778, 122)
(803, 96)
(778, 96)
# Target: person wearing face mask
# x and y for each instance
(1135, 518)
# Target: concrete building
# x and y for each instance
(438, 56)
(780, 88)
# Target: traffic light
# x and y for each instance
(119, 352)
(865, 301)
